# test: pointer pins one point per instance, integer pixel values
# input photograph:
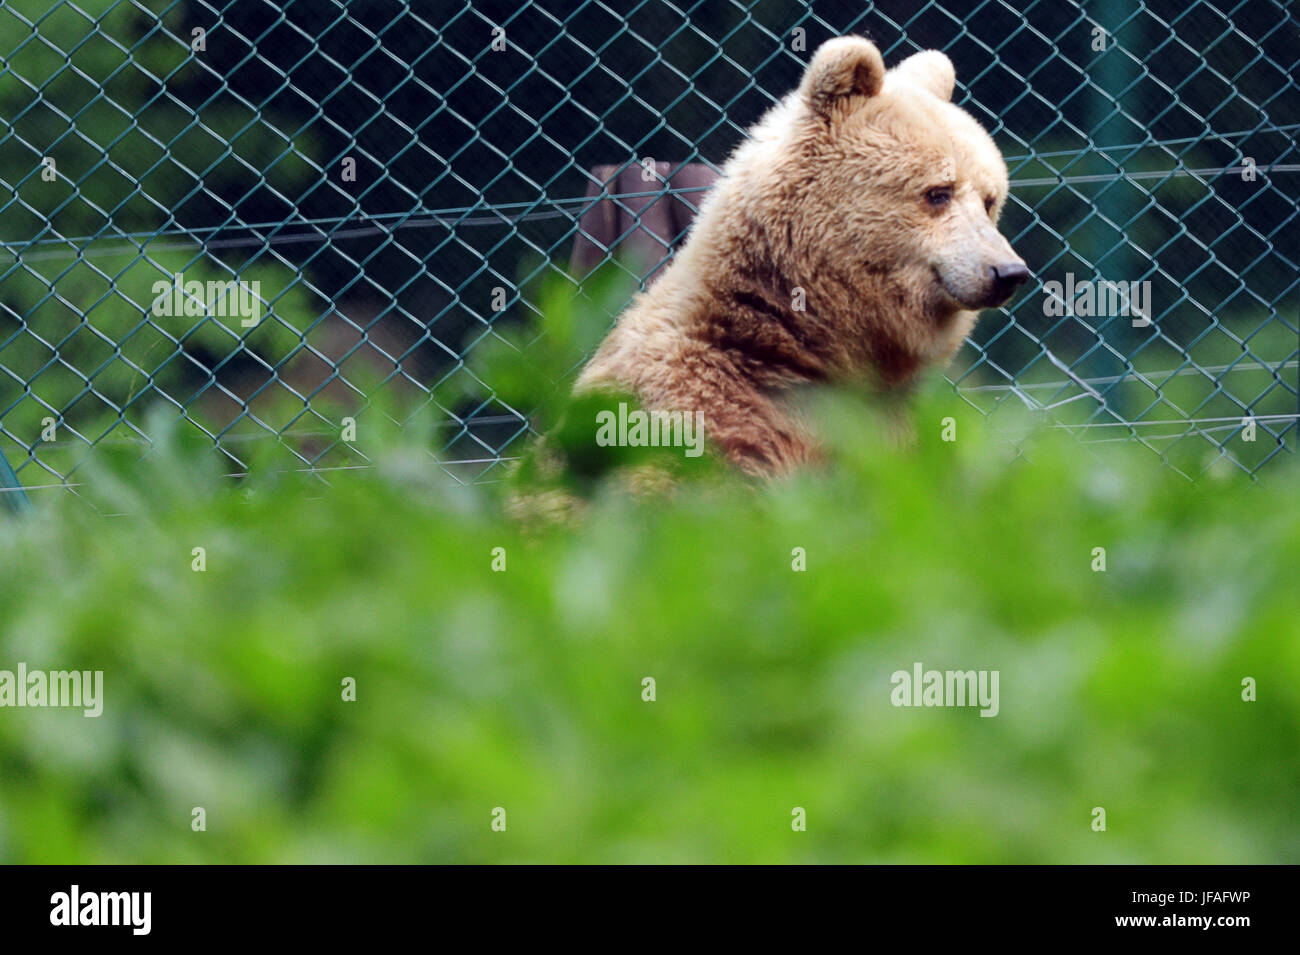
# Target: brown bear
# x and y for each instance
(853, 235)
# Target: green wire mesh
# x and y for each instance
(393, 177)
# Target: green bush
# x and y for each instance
(522, 689)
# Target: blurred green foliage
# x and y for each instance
(522, 689)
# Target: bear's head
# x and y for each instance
(883, 172)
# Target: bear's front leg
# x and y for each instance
(740, 420)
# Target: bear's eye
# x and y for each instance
(988, 205)
(939, 196)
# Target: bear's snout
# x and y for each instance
(1004, 279)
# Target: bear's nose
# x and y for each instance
(1006, 277)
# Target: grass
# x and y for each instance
(522, 689)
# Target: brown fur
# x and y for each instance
(828, 195)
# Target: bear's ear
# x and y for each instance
(930, 70)
(843, 67)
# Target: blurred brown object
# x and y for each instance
(645, 226)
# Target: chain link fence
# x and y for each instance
(364, 192)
